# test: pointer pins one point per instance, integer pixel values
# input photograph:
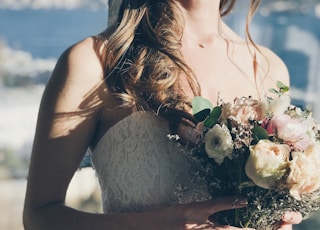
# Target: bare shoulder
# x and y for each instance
(83, 59)
(77, 72)
(276, 68)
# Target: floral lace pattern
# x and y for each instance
(139, 168)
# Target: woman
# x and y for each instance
(105, 94)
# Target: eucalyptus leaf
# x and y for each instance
(259, 133)
(282, 87)
(213, 117)
(199, 104)
(274, 91)
(280, 84)
(202, 115)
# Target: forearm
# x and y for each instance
(60, 217)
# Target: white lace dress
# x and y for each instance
(139, 168)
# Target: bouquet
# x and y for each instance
(267, 151)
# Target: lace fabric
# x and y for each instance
(139, 168)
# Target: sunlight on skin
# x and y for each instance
(210, 226)
(202, 226)
(61, 129)
(65, 122)
(288, 219)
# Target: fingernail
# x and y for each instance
(287, 217)
(243, 201)
(240, 202)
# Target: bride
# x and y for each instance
(119, 94)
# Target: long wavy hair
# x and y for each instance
(142, 57)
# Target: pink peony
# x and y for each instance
(290, 130)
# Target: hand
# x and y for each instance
(195, 215)
(288, 220)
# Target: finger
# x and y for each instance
(213, 227)
(291, 218)
(223, 203)
(231, 228)
(285, 227)
(288, 220)
(206, 226)
(226, 203)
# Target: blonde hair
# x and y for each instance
(142, 57)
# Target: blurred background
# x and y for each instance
(33, 34)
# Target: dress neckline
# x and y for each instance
(119, 123)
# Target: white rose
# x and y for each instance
(267, 163)
(218, 143)
(279, 105)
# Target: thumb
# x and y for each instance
(219, 204)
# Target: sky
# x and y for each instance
(28, 65)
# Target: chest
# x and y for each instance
(227, 75)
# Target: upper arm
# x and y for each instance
(66, 124)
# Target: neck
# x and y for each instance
(202, 17)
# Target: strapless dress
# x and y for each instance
(140, 168)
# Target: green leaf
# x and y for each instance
(259, 133)
(282, 87)
(213, 117)
(199, 104)
(202, 115)
(274, 91)
(280, 84)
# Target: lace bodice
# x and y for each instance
(139, 168)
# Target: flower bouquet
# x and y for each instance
(267, 151)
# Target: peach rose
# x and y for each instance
(304, 174)
(243, 110)
(267, 163)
